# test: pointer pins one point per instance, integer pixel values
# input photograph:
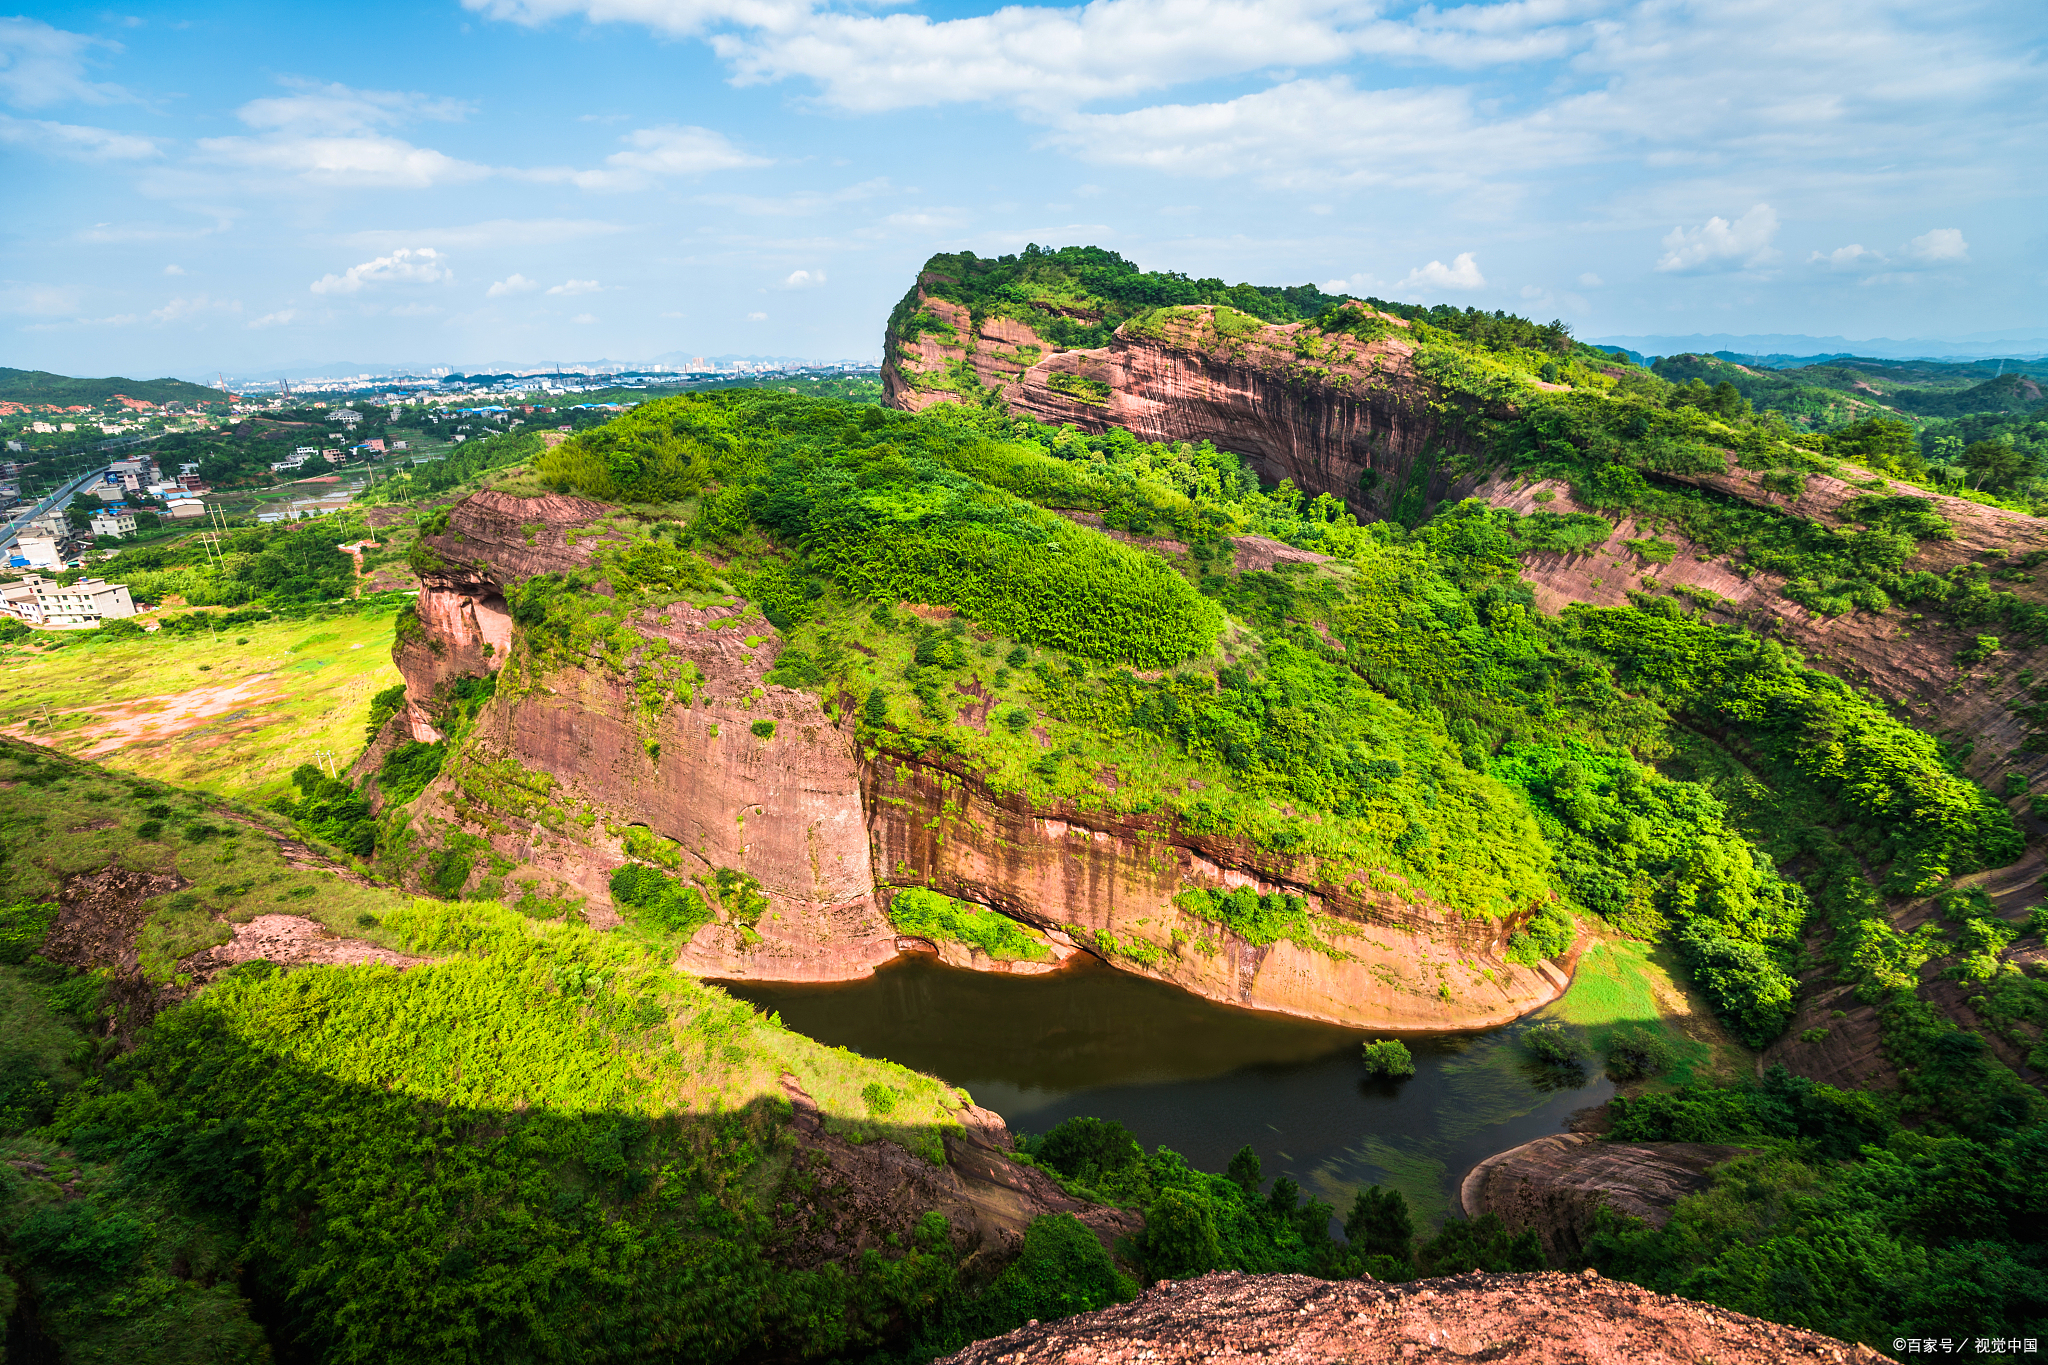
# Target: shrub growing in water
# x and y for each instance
(1388, 1057)
(1553, 1045)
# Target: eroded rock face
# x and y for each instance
(1557, 1185)
(1403, 964)
(1547, 1319)
(1334, 414)
(571, 755)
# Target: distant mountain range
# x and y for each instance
(1782, 348)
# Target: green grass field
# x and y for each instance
(1621, 983)
(232, 714)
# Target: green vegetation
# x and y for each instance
(41, 388)
(1388, 1057)
(1845, 1221)
(537, 1143)
(1076, 296)
(926, 914)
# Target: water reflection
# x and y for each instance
(1201, 1078)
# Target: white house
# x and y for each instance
(84, 603)
(182, 508)
(114, 521)
(37, 551)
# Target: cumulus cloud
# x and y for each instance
(1590, 281)
(1461, 273)
(804, 279)
(1719, 244)
(585, 318)
(757, 317)
(41, 65)
(515, 283)
(277, 319)
(1940, 245)
(423, 265)
(573, 287)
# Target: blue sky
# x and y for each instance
(468, 181)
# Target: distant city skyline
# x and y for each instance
(241, 189)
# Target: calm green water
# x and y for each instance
(1201, 1078)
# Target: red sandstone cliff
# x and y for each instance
(560, 766)
(1324, 411)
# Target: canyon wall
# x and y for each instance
(679, 751)
(1335, 414)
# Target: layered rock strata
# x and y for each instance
(1335, 414)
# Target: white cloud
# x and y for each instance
(1314, 133)
(804, 279)
(678, 18)
(573, 287)
(179, 309)
(76, 140)
(515, 283)
(1461, 273)
(495, 232)
(332, 109)
(1720, 244)
(1590, 281)
(277, 319)
(757, 317)
(174, 270)
(415, 310)
(799, 204)
(652, 153)
(345, 162)
(1854, 256)
(40, 300)
(41, 66)
(1941, 244)
(584, 318)
(1052, 59)
(423, 265)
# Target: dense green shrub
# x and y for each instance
(658, 901)
(927, 914)
(408, 769)
(1388, 1057)
(330, 810)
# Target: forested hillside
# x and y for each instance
(40, 388)
(764, 685)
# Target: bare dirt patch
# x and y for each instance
(1257, 554)
(294, 941)
(146, 720)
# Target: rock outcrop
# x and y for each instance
(1547, 1319)
(1335, 414)
(1557, 1185)
(570, 764)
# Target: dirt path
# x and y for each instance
(148, 719)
